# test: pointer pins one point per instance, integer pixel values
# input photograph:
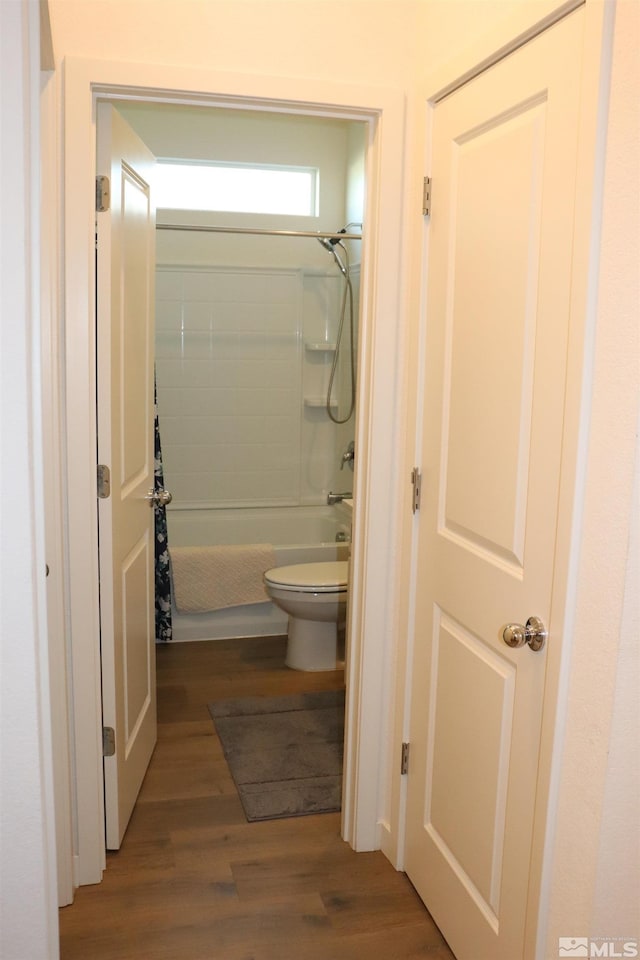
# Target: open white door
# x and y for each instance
(125, 263)
(500, 256)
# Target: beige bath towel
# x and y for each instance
(211, 578)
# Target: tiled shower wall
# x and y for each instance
(241, 374)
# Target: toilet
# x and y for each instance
(315, 597)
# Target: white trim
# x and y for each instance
(53, 454)
(37, 481)
(377, 428)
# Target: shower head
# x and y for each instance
(330, 245)
(326, 243)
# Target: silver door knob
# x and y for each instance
(158, 498)
(534, 633)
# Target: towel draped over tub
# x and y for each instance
(211, 578)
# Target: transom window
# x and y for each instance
(236, 188)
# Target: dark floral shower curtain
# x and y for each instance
(163, 578)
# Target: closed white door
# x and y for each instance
(499, 280)
(125, 322)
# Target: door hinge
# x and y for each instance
(404, 759)
(108, 742)
(103, 194)
(416, 482)
(426, 197)
(104, 482)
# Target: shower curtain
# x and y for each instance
(162, 575)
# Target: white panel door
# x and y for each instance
(500, 247)
(125, 320)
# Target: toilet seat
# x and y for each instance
(326, 577)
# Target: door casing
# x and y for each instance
(86, 82)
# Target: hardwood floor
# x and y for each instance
(194, 881)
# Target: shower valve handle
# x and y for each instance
(349, 455)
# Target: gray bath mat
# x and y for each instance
(284, 753)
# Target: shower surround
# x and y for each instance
(243, 356)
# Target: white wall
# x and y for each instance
(28, 919)
(361, 41)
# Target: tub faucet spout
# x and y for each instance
(337, 497)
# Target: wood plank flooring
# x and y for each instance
(194, 881)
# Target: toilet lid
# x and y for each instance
(326, 577)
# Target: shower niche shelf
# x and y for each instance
(318, 403)
(319, 346)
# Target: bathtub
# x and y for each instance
(298, 534)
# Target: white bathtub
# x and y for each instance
(298, 534)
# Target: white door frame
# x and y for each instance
(367, 736)
(594, 83)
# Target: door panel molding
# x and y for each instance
(457, 792)
(498, 386)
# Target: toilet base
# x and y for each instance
(312, 645)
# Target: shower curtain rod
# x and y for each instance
(201, 228)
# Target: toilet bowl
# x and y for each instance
(315, 597)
